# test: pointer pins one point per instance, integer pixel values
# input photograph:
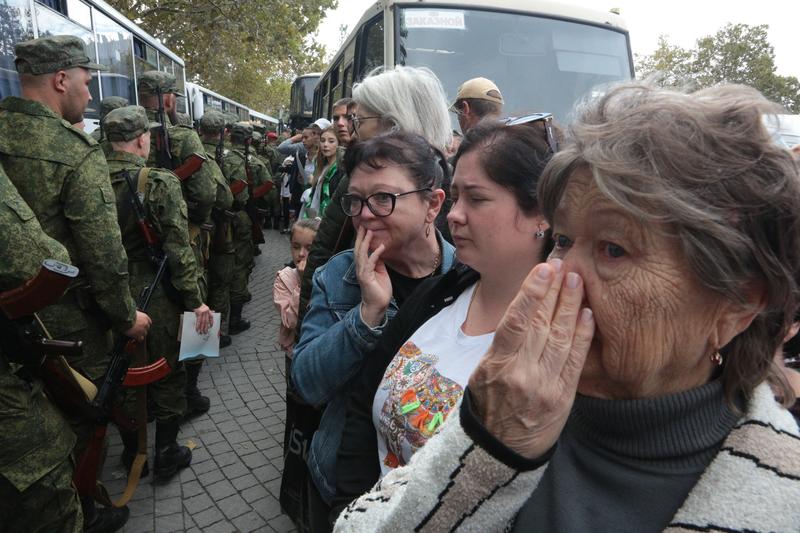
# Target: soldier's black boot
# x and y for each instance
(103, 519)
(130, 441)
(225, 341)
(170, 456)
(196, 403)
(237, 323)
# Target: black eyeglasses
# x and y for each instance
(381, 204)
(545, 118)
(358, 120)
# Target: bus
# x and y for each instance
(301, 100)
(200, 99)
(111, 40)
(543, 56)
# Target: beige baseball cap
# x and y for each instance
(479, 89)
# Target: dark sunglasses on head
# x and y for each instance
(547, 121)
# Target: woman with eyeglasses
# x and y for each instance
(415, 376)
(393, 198)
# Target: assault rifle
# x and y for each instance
(253, 211)
(220, 152)
(164, 157)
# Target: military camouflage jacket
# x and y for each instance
(166, 211)
(34, 438)
(63, 177)
(224, 198)
(199, 189)
(234, 169)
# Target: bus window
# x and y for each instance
(146, 57)
(56, 24)
(371, 48)
(114, 51)
(80, 13)
(15, 19)
(347, 81)
(539, 64)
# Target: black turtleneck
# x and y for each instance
(628, 465)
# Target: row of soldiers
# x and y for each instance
(111, 212)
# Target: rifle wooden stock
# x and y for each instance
(145, 375)
(163, 149)
(263, 189)
(192, 164)
(237, 186)
(40, 291)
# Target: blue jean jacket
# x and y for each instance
(333, 342)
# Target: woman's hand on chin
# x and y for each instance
(524, 387)
(376, 287)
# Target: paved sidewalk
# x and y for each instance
(233, 482)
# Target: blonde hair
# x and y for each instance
(321, 162)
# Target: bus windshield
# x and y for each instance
(538, 63)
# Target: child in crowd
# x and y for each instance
(286, 291)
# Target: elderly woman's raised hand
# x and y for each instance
(524, 387)
(376, 287)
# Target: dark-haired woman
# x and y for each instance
(416, 375)
(393, 198)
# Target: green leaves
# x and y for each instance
(738, 53)
(247, 50)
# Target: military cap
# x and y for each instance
(183, 119)
(127, 123)
(231, 119)
(51, 54)
(153, 81)
(212, 121)
(111, 103)
(242, 130)
(257, 137)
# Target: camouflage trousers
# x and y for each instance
(168, 394)
(220, 275)
(49, 505)
(200, 243)
(244, 258)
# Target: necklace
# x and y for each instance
(435, 263)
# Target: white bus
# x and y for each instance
(201, 99)
(543, 56)
(111, 39)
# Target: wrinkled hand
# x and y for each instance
(525, 385)
(205, 319)
(141, 326)
(376, 287)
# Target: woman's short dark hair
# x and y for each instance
(425, 164)
(512, 156)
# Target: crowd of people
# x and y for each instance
(514, 327)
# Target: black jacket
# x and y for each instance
(357, 465)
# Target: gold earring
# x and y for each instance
(428, 230)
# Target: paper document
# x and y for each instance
(194, 344)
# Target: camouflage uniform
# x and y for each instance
(106, 106)
(36, 467)
(199, 189)
(167, 214)
(233, 166)
(222, 262)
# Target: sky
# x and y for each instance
(682, 21)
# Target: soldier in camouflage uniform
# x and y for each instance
(128, 130)
(36, 466)
(199, 192)
(234, 166)
(222, 262)
(183, 119)
(106, 106)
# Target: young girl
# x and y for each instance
(286, 291)
(326, 177)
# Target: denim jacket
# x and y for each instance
(333, 342)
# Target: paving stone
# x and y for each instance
(211, 477)
(281, 523)
(192, 488)
(221, 489)
(268, 507)
(140, 524)
(226, 458)
(173, 522)
(169, 506)
(198, 503)
(235, 470)
(233, 506)
(249, 522)
(244, 482)
(255, 493)
(205, 518)
(141, 507)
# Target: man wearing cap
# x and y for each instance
(222, 260)
(36, 467)
(477, 99)
(159, 191)
(62, 175)
(234, 166)
(107, 105)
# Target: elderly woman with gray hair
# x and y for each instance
(628, 385)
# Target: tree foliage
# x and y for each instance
(738, 53)
(247, 50)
